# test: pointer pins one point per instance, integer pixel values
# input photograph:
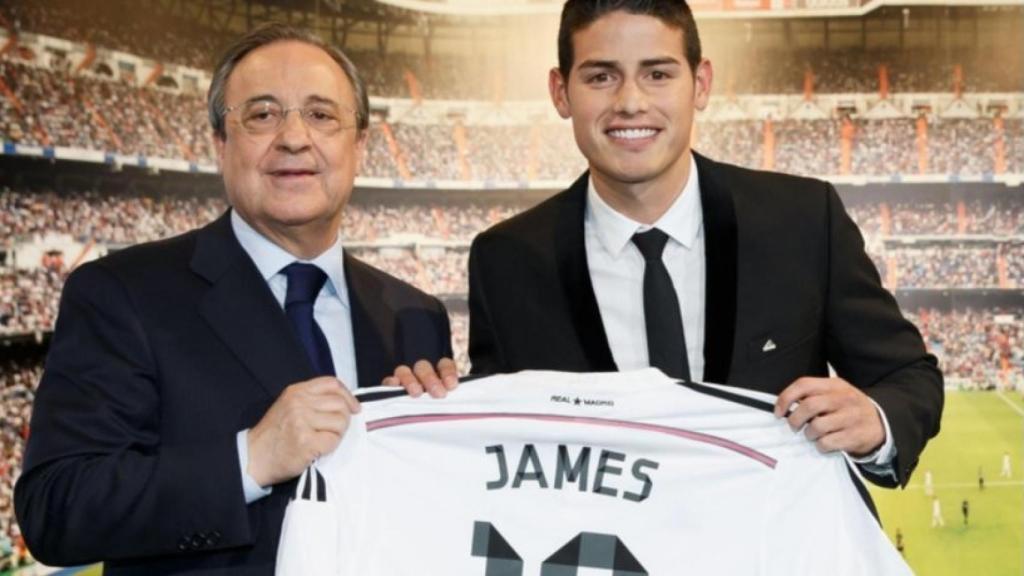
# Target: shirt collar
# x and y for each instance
(682, 221)
(271, 258)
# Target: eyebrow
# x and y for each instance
(312, 99)
(614, 65)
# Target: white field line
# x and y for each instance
(988, 484)
(1010, 403)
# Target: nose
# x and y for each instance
(293, 134)
(631, 99)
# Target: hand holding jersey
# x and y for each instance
(837, 415)
(423, 376)
(308, 419)
(547, 473)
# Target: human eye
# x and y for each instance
(322, 115)
(660, 75)
(598, 78)
(261, 114)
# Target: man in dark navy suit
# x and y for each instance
(191, 380)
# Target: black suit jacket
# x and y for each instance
(784, 262)
(161, 354)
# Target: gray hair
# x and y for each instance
(268, 34)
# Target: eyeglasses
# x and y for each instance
(262, 117)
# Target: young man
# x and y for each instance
(658, 256)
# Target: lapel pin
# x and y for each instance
(768, 346)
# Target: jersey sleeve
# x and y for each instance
(309, 539)
(818, 522)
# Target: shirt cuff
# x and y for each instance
(880, 461)
(253, 491)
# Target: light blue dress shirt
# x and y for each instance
(331, 311)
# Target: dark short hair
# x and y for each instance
(578, 14)
(269, 34)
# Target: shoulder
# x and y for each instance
(766, 200)
(742, 182)
(389, 288)
(542, 224)
(150, 262)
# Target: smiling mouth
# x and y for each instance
(632, 133)
(291, 173)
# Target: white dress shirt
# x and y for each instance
(617, 274)
(331, 311)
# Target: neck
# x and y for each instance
(644, 202)
(304, 241)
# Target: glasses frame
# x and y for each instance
(303, 111)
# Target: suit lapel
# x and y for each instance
(373, 326)
(720, 254)
(242, 311)
(577, 288)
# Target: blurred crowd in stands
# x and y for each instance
(120, 25)
(916, 244)
(130, 27)
(29, 299)
(18, 380)
(977, 348)
(56, 107)
(426, 243)
(110, 116)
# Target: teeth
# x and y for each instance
(633, 133)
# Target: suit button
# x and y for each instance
(197, 542)
(213, 538)
(184, 543)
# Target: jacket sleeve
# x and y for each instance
(484, 350)
(871, 345)
(99, 481)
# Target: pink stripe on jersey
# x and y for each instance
(677, 432)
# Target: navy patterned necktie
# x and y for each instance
(304, 284)
(666, 343)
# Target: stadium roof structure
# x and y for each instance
(703, 8)
(479, 7)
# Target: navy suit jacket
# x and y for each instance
(784, 263)
(161, 354)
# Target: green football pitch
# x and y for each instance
(977, 428)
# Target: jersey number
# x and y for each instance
(586, 550)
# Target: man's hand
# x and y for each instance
(837, 414)
(437, 381)
(306, 421)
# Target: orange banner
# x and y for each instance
(922, 145)
(768, 156)
(846, 134)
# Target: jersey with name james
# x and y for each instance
(556, 474)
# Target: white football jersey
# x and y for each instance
(556, 474)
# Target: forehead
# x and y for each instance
(290, 71)
(624, 37)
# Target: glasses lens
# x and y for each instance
(261, 117)
(326, 117)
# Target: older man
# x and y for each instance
(190, 380)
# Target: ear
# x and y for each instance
(558, 87)
(361, 139)
(702, 84)
(218, 147)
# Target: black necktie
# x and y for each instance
(666, 344)
(304, 283)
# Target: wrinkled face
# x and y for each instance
(631, 96)
(294, 177)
